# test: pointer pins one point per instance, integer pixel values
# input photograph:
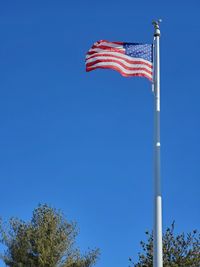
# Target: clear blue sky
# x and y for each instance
(82, 142)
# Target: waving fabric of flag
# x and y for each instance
(130, 59)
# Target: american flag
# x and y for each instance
(130, 59)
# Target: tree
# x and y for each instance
(181, 250)
(46, 241)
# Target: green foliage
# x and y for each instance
(46, 241)
(181, 250)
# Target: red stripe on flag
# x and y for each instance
(118, 57)
(105, 41)
(120, 71)
(106, 49)
(120, 63)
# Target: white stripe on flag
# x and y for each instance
(123, 61)
(110, 45)
(123, 70)
(118, 55)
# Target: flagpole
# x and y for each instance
(157, 232)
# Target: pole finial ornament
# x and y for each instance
(156, 24)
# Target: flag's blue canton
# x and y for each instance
(144, 51)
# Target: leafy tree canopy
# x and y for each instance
(181, 250)
(46, 241)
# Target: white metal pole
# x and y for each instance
(157, 233)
